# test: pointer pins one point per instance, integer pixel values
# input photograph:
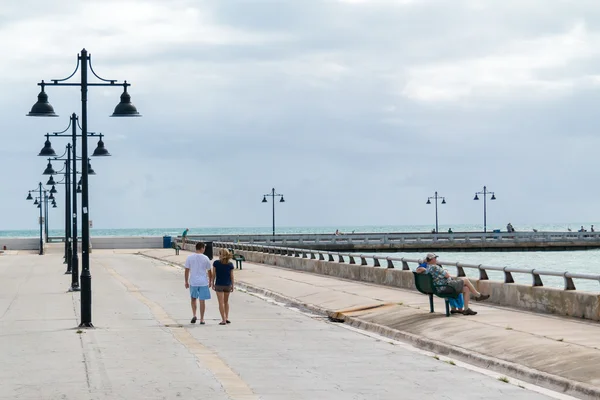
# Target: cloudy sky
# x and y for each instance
(355, 110)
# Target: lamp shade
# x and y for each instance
(42, 108)
(282, 200)
(78, 189)
(493, 197)
(100, 150)
(51, 197)
(47, 151)
(53, 190)
(125, 108)
(49, 170)
(443, 201)
(264, 200)
(476, 198)
(90, 169)
(36, 202)
(51, 181)
(29, 197)
(53, 204)
(428, 201)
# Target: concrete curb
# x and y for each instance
(536, 377)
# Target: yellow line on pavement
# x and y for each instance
(233, 385)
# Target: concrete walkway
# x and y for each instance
(556, 352)
(143, 346)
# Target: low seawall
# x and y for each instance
(31, 243)
(98, 242)
(539, 299)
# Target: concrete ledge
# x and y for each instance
(540, 299)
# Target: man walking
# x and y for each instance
(198, 274)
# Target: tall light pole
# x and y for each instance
(125, 108)
(485, 193)
(48, 151)
(273, 195)
(436, 197)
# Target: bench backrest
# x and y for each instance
(424, 283)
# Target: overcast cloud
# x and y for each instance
(355, 110)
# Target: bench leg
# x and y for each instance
(430, 303)
(447, 307)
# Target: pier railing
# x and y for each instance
(405, 238)
(403, 263)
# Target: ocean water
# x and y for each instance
(552, 227)
(582, 261)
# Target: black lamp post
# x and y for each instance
(125, 108)
(436, 197)
(485, 192)
(47, 150)
(273, 195)
(29, 197)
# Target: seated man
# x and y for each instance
(456, 304)
(441, 277)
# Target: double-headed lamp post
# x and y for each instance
(485, 193)
(273, 195)
(42, 204)
(436, 197)
(125, 108)
(29, 197)
(73, 187)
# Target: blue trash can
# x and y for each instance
(166, 242)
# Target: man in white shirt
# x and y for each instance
(198, 274)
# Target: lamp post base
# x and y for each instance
(68, 272)
(74, 289)
(86, 325)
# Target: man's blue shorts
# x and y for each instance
(200, 292)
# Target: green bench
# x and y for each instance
(425, 285)
(238, 259)
(176, 247)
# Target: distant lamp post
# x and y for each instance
(29, 197)
(273, 195)
(485, 193)
(125, 108)
(436, 198)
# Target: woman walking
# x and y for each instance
(223, 283)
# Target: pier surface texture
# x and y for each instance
(280, 344)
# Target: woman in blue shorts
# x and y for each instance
(223, 283)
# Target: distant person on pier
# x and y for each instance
(441, 277)
(450, 230)
(509, 228)
(184, 238)
(198, 276)
(592, 228)
(582, 229)
(337, 232)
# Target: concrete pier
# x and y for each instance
(144, 346)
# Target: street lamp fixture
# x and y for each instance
(436, 198)
(273, 195)
(49, 170)
(485, 193)
(125, 108)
